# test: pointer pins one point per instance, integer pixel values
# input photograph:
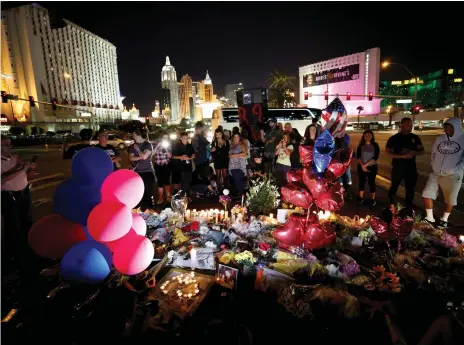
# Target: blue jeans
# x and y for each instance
(239, 180)
(346, 178)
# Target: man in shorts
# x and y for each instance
(448, 170)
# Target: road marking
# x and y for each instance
(48, 177)
(45, 186)
(40, 202)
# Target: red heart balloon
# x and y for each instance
(331, 200)
(306, 154)
(297, 196)
(334, 170)
(295, 175)
(318, 235)
(380, 228)
(316, 185)
(290, 234)
(402, 223)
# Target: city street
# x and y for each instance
(53, 169)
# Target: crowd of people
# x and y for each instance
(203, 169)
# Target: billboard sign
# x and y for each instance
(335, 75)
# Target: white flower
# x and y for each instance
(210, 244)
(225, 192)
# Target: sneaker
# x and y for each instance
(373, 203)
(442, 224)
(426, 221)
(360, 202)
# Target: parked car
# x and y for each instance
(115, 141)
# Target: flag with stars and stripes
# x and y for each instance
(334, 118)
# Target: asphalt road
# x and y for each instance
(52, 169)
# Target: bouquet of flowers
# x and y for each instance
(245, 258)
(262, 198)
(237, 209)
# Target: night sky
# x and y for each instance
(245, 41)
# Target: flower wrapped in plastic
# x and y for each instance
(245, 258)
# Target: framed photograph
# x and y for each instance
(227, 276)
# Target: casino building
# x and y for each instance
(353, 77)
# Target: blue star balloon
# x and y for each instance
(323, 151)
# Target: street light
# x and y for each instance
(387, 63)
(89, 95)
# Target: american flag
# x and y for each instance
(334, 118)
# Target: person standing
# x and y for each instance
(86, 136)
(283, 152)
(114, 154)
(238, 163)
(16, 203)
(183, 154)
(200, 145)
(403, 148)
(270, 139)
(342, 144)
(310, 135)
(220, 152)
(295, 140)
(140, 154)
(448, 170)
(161, 156)
(173, 164)
(367, 153)
(318, 126)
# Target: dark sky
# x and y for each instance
(245, 41)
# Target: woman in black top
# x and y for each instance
(367, 153)
(220, 152)
(310, 135)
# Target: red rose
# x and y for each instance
(264, 246)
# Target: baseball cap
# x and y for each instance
(272, 119)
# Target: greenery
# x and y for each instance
(263, 197)
(281, 89)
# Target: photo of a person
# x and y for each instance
(227, 276)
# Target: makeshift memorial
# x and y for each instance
(227, 276)
(184, 285)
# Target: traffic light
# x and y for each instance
(54, 103)
(306, 95)
(371, 96)
(416, 109)
(31, 101)
(4, 97)
(326, 95)
(348, 96)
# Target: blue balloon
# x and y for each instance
(323, 151)
(74, 199)
(87, 262)
(92, 165)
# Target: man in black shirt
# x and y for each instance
(102, 137)
(201, 146)
(183, 153)
(403, 148)
(271, 139)
(86, 135)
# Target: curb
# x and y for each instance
(438, 207)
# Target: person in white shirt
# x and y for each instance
(283, 151)
(16, 202)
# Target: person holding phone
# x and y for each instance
(220, 152)
(183, 153)
(161, 156)
(283, 152)
(16, 203)
(367, 153)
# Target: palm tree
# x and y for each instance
(281, 89)
(359, 109)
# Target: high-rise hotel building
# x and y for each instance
(52, 58)
(185, 94)
(169, 81)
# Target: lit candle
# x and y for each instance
(271, 216)
(461, 239)
(361, 220)
(221, 215)
(243, 199)
(194, 211)
(216, 212)
(226, 214)
(187, 215)
(239, 217)
(193, 258)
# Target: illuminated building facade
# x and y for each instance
(185, 93)
(208, 84)
(169, 81)
(434, 90)
(231, 94)
(46, 58)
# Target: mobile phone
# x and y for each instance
(34, 159)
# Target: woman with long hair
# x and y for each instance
(310, 135)
(368, 153)
(283, 152)
(220, 152)
(238, 163)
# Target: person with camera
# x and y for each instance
(16, 202)
(161, 156)
(283, 152)
(140, 154)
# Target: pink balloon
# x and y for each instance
(113, 244)
(316, 185)
(52, 236)
(139, 225)
(294, 175)
(133, 254)
(109, 221)
(123, 185)
(297, 196)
